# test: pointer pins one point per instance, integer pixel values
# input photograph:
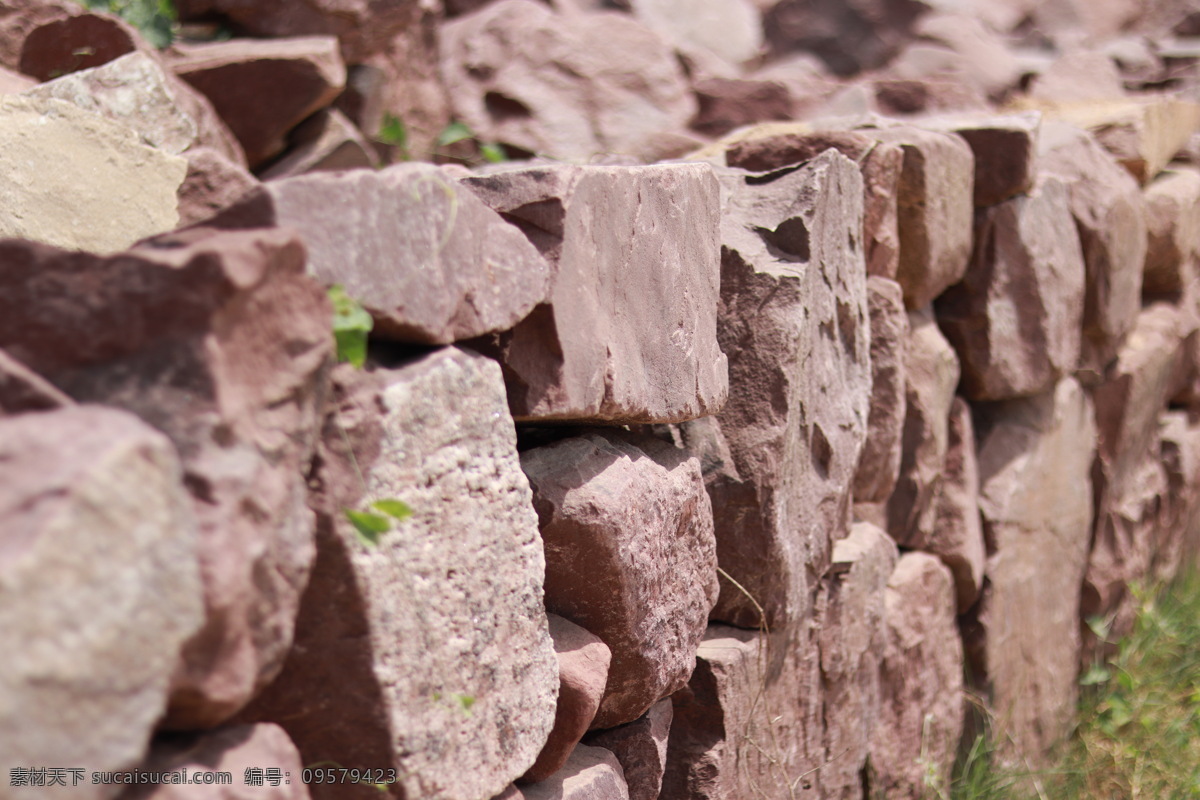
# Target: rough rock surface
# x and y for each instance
(1177, 538)
(428, 260)
(880, 163)
(641, 747)
(326, 141)
(22, 389)
(1005, 151)
(567, 87)
(427, 651)
(921, 704)
(847, 37)
(583, 662)
(934, 202)
(76, 180)
(628, 333)
(1015, 320)
(731, 31)
(931, 374)
(363, 27)
(1128, 470)
(1108, 211)
(136, 91)
(235, 749)
(1035, 463)
(263, 88)
(219, 340)
(1173, 228)
(591, 773)
(852, 639)
(957, 537)
(78, 39)
(212, 184)
(749, 722)
(879, 464)
(794, 323)
(1142, 133)
(92, 499)
(630, 556)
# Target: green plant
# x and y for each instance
(371, 526)
(156, 19)
(491, 152)
(394, 133)
(351, 324)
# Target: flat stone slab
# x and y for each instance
(628, 331)
(428, 260)
(77, 180)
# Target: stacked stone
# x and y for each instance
(695, 479)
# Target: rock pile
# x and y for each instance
(740, 375)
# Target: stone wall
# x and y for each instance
(800, 380)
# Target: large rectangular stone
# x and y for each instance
(628, 332)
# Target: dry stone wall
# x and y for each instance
(673, 467)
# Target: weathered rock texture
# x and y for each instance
(771, 147)
(1129, 475)
(641, 747)
(22, 389)
(1108, 210)
(235, 750)
(628, 332)
(630, 556)
(1035, 463)
(746, 728)
(76, 180)
(427, 651)
(263, 88)
(591, 773)
(567, 87)
(852, 640)
(931, 375)
(879, 463)
(99, 588)
(1173, 232)
(219, 340)
(1015, 320)
(428, 260)
(793, 321)
(921, 705)
(583, 662)
(137, 91)
(957, 537)
(933, 208)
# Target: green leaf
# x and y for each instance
(393, 508)
(1096, 674)
(393, 132)
(454, 132)
(465, 700)
(351, 324)
(370, 527)
(493, 153)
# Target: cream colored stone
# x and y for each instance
(76, 180)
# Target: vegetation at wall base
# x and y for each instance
(156, 19)
(1138, 734)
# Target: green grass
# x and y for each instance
(1138, 734)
